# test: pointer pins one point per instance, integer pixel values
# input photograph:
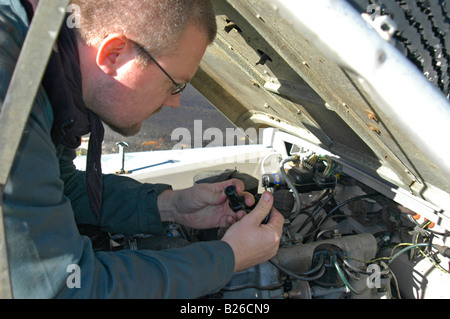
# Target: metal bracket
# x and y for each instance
(19, 100)
(383, 24)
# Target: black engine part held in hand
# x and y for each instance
(266, 220)
(236, 201)
(257, 198)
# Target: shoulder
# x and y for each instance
(13, 12)
(13, 29)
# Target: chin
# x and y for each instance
(126, 131)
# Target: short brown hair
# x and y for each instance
(155, 24)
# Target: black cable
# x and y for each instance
(318, 209)
(303, 278)
(331, 212)
(351, 267)
(315, 268)
(352, 200)
(306, 275)
(318, 200)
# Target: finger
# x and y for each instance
(263, 207)
(240, 187)
(229, 220)
(213, 194)
(220, 186)
(218, 189)
(249, 199)
(240, 214)
(276, 220)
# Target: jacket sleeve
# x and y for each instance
(42, 238)
(129, 207)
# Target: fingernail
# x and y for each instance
(266, 197)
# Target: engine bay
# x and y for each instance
(342, 238)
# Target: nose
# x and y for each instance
(173, 101)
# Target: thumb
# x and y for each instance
(263, 208)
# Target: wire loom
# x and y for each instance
(346, 270)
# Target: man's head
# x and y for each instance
(134, 52)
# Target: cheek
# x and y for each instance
(146, 96)
(150, 100)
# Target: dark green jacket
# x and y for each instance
(45, 198)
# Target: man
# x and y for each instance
(129, 59)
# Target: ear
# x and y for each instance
(112, 53)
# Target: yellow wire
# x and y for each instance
(392, 253)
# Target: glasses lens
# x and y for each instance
(178, 88)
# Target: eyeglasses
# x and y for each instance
(177, 87)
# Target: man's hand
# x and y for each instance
(253, 242)
(202, 206)
(205, 206)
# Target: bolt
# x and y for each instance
(122, 146)
(232, 26)
(263, 58)
(374, 129)
(372, 116)
(254, 83)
